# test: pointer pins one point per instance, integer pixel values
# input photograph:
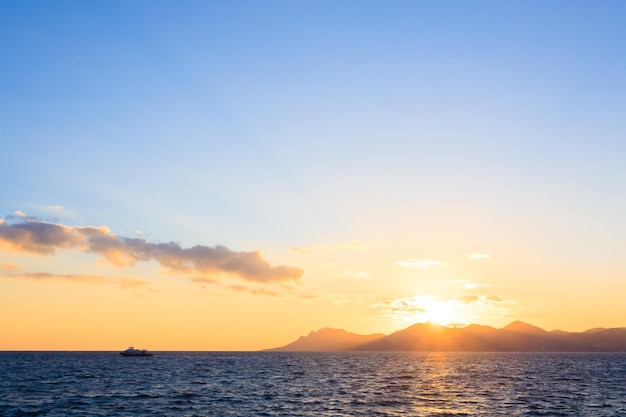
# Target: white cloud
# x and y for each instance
(351, 273)
(421, 263)
(55, 208)
(476, 256)
(353, 245)
(338, 271)
(469, 285)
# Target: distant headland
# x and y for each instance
(430, 337)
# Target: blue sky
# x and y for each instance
(423, 127)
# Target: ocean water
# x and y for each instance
(312, 384)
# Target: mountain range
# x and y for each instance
(516, 337)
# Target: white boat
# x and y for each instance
(131, 351)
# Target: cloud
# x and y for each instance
(284, 291)
(466, 299)
(54, 208)
(351, 273)
(421, 263)
(10, 267)
(354, 245)
(476, 256)
(35, 236)
(337, 271)
(124, 282)
(461, 309)
(253, 291)
(468, 285)
(403, 309)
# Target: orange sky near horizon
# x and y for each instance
(233, 175)
(166, 302)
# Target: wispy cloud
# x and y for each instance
(477, 256)
(35, 236)
(352, 273)
(338, 271)
(403, 309)
(469, 285)
(353, 245)
(10, 267)
(58, 211)
(253, 291)
(461, 309)
(421, 263)
(284, 291)
(124, 282)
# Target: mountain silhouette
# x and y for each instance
(521, 327)
(328, 339)
(515, 337)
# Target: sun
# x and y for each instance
(445, 312)
(423, 308)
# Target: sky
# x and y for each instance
(203, 175)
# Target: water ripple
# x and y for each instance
(55, 384)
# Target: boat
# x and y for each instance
(131, 351)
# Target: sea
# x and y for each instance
(60, 384)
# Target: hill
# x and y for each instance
(328, 339)
(515, 337)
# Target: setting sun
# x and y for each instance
(230, 176)
(215, 183)
(445, 312)
(451, 311)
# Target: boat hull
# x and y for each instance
(135, 354)
(131, 351)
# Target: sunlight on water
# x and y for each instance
(312, 384)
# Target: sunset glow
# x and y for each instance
(445, 312)
(231, 176)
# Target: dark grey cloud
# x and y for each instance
(35, 236)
